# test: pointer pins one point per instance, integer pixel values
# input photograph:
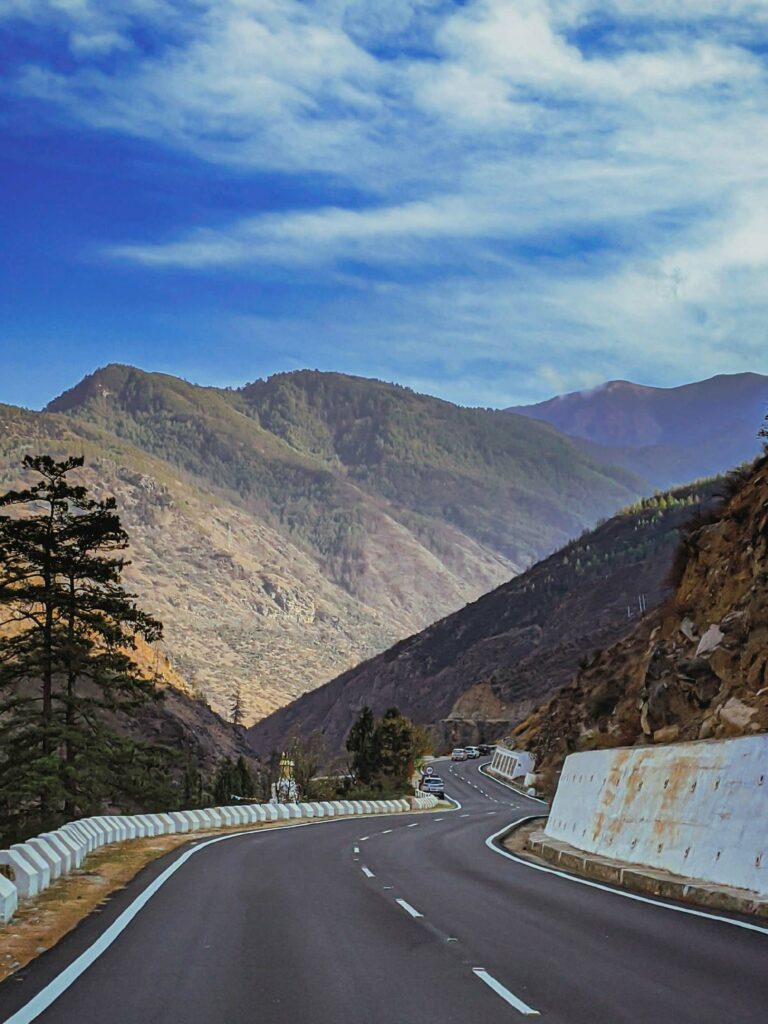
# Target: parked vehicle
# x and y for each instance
(459, 754)
(472, 752)
(433, 784)
(485, 749)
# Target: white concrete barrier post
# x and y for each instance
(54, 858)
(9, 899)
(65, 847)
(78, 836)
(228, 816)
(167, 822)
(26, 878)
(39, 864)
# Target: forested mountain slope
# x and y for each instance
(322, 454)
(290, 529)
(477, 672)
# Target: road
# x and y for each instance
(317, 924)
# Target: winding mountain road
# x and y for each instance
(409, 919)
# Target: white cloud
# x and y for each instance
(547, 190)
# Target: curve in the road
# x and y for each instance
(292, 925)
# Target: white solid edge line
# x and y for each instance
(367, 872)
(490, 843)
(408, 908)
(505, 994)
(48, 995)
(506, 785)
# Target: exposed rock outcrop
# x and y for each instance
(697, 667)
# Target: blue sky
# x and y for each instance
(489, 200)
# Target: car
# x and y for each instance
(433, 784)
(472, 752)
(458, 754)
(485, 749)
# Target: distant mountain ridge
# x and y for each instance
(289, 529)
(668, 435)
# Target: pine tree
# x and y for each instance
(68, 630)
(225, 782)
(360, 745)
(237, 707)
(246, 788)
(398, 744)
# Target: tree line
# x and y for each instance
(71, 681)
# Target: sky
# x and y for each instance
(493, 201)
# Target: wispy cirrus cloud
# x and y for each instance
(586, 181)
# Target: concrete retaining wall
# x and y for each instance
(33, 865)
(695, 809)
(511, 765)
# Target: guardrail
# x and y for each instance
(27, 869)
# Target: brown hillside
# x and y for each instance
(695, 668)
(477, 672)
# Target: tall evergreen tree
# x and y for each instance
(237, 706)
(361, 747)
(67, 632)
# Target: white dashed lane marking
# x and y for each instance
(386, 831)
(414, 825)
(367, 872)
(506, 995)
(408, 908)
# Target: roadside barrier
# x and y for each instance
(27, 869)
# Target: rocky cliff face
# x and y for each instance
(697, 667)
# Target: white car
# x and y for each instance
(433, 784)
(459, 754)
(472, 752)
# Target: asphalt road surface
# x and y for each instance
(407, 919)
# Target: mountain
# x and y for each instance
(697, 666)
(325, 456)
(475, 674)
(664, 435)
(289, 529)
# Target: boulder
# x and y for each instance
(736, 716)
(710, 640)
(668, 734)
(707, 728)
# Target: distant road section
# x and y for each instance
(405, 920)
